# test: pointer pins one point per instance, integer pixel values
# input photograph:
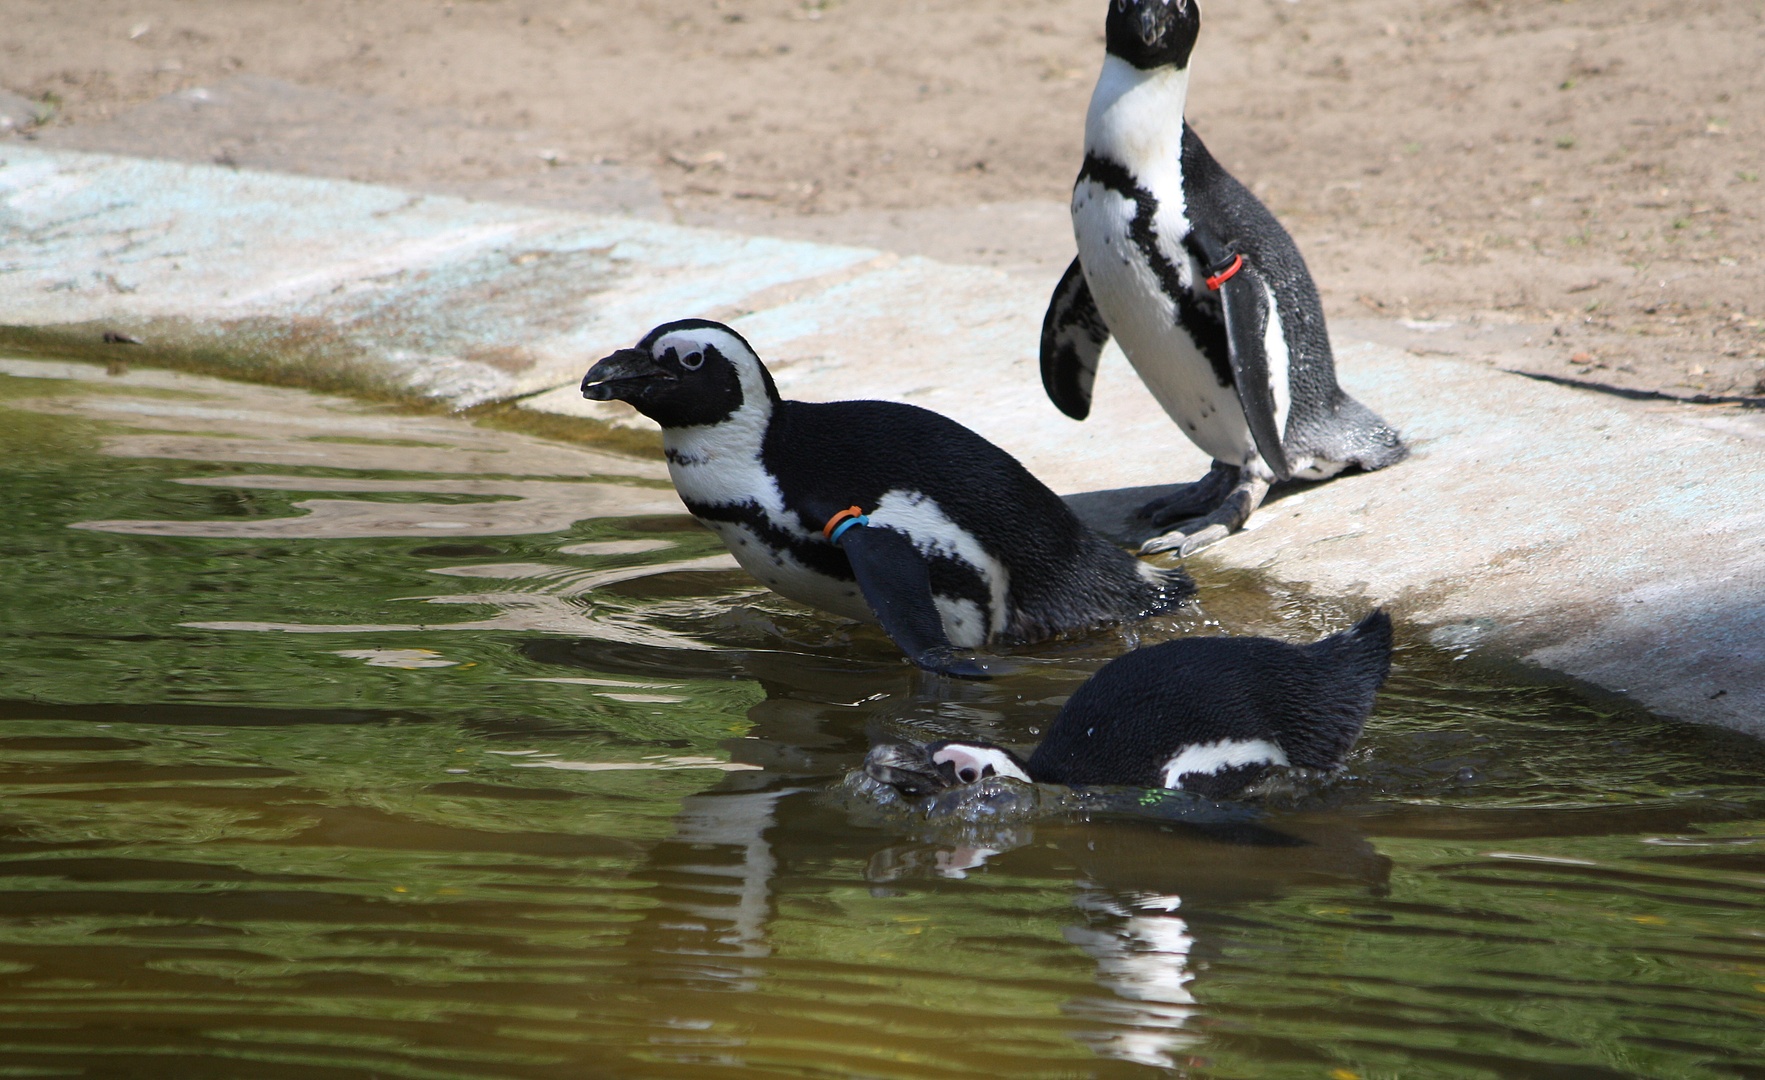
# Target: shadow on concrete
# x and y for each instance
(1114, 512)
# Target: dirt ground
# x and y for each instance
(1579, 180)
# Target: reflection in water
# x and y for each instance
(560, 602)
(723, 883)
(1137, 880)
(554, 604)
(594, 836)
(408, 659)
(1143, 961)
(652, 763)
(259, 425)
(524, 507)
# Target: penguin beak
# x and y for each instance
(1152, 22)
(621, 375)
(908, 769)
(1155, 17)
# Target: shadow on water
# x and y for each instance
(341, 741)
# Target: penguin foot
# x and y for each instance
(1195, 500)
(1227, 518)
(1185, 543)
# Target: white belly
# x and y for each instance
(1143, 321)
(786, 576)
(721, 467)
(965, 623)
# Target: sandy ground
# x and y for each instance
(1574, 183)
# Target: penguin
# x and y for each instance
(1203, 290)
(1203, 715)
(875, 510)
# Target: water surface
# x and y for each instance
(341, 742)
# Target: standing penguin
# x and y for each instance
(875, 510)
(1207, 715)
(1204, 291)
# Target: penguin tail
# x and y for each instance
(1363, 438)
(1369, 640)
(1343, 675)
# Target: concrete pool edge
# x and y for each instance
(1615, 542)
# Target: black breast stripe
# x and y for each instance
(824, 559)
(1206, 328)
(950, 576)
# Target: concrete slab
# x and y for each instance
(432, 294)
(1620, 543)
(471, 302)
(1613, 541)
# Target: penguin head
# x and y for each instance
(686, 373)
(1152, 33)
(916, 771)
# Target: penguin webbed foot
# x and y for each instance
(1226, 518)
(1193, 500)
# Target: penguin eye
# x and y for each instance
(967, 775)
(693, 361)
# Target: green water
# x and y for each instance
(344, 761)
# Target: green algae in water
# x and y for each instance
(551, 827)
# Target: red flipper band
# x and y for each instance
(1225, 275)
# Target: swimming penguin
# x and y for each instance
(1204, 291)
(875, 510)
(1207, 715)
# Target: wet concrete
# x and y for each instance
(1613, 541)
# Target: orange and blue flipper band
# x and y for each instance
(838, 524)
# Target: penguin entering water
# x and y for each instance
(1204, 291)
(1207, 715)
(875, 510)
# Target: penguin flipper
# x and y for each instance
(1073, 336)
(1247, 304)
(898, 587)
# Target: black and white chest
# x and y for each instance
(719, 472)
(1134, 208)
(766, 478)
